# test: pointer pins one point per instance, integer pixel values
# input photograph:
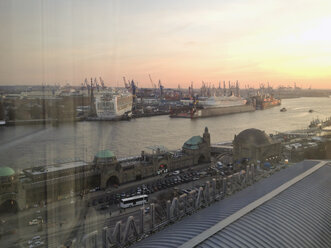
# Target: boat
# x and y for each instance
(222, 101)
(266, 101)
(112, 105)
(316, 123)
(283, 110)
(270, 102)
(311, 111)
(212, 106)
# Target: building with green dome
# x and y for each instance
(43, 184)
(6, 172)
(198, 148)
(8, 189)
(105, 156)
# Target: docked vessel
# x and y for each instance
(112, 105)
(213, 106)
(317, 123)
(266, 101)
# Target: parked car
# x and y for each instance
(147, 210)
(38, 243)
(33, 222)
(103, 207)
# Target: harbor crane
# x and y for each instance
(161, 89)
(96, 83)
(133, 88)
(86, 83)
(224, 88)
(127, 86)
(153, 84)
(102, 83)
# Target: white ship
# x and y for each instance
(112, 105)
(221, 101)
(213, 106)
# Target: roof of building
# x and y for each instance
(6, 171)
(298, 216)
(105, 154)
(193, 142)
(154, 148)
(55, 167)
(253, 136)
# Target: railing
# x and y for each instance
(136, 229)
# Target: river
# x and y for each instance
(26, 146)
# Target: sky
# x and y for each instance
(177, 42)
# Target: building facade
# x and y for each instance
(45, 184)
(256, 146)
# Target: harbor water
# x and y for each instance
(26, 146)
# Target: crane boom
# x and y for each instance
(153, 84)
(125, 83)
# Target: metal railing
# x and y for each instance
(136, 229)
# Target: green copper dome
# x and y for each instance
(193, 143)
(105, 154)
(6, 171)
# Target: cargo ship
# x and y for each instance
(212, 106)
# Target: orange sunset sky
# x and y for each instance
(256, 41)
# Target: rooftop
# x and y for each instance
(105, 154)
(154, 148)
(193, 142)
(253, 136)
(54, 168)
(297, 215)
(6, 171)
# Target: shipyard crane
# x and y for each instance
(161, 89)
(153, 84)
(86, 82)
(224, 88)
(102, 83)
(96, 83)
(133, 87)
(125, 83)
(87, 85)
(237, 88)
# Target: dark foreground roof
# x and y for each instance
(299, 216)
